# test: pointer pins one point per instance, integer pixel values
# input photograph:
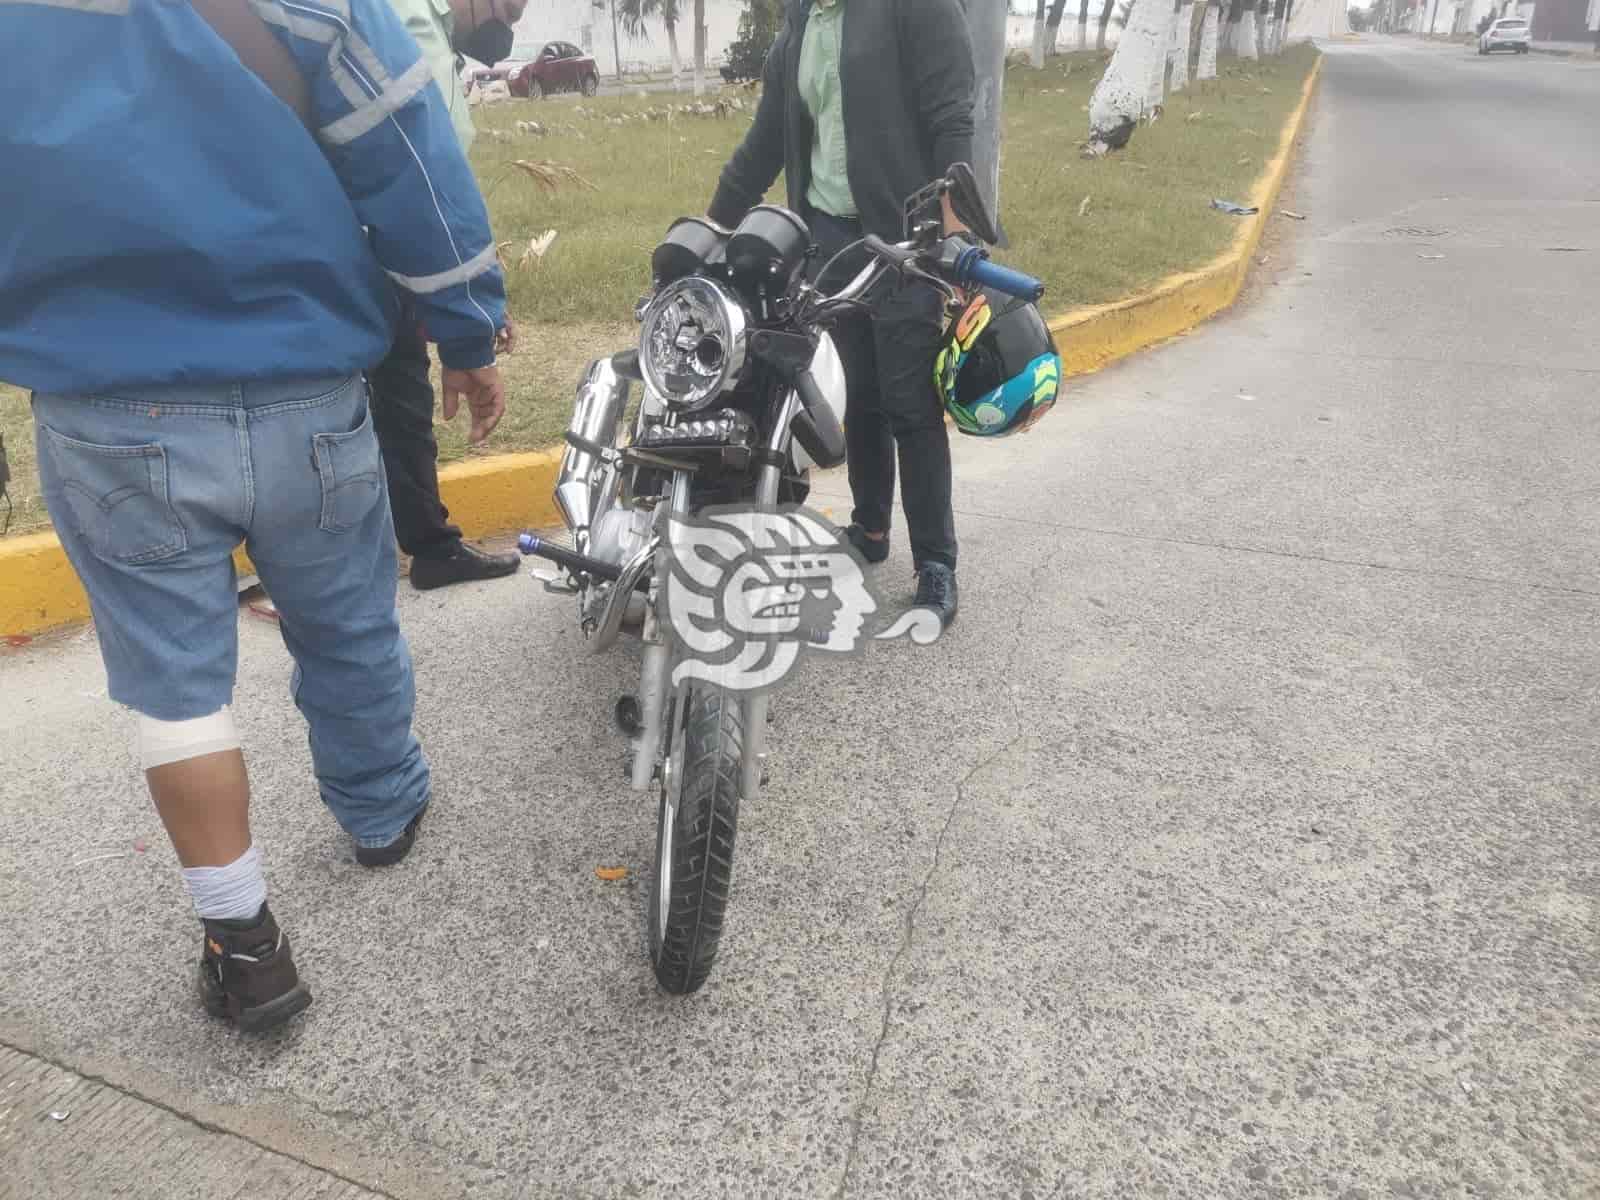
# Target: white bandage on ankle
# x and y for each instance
(163, 742)
(235, 892)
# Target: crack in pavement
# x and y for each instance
(858, 1117)
(1265, 552)
(1268, 552)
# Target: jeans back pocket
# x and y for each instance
(349, 466)
(118, 499)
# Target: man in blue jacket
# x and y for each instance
(193, 276)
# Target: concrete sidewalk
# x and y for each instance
(1238, 841)
(63, 1137)
(1568, 49)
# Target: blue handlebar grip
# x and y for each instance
(1003, 279)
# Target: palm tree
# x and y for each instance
(634, 14)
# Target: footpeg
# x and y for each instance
(556, 583)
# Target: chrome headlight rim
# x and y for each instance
(732, 336)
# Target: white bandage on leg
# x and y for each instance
(163, 742)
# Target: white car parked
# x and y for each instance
(1509, 33)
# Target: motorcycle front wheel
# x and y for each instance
(695, 826)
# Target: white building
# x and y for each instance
(587, 23)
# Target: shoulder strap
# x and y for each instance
(238, 24)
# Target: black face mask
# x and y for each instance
(489, 42)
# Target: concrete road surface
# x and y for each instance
(1240, 840)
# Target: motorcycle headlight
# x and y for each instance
(693, 342)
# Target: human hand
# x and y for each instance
(505, 342)
(952, 223)
(485, 394)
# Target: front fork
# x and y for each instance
(655, 676)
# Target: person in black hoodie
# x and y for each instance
(865, 102)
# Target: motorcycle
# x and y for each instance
(743, 393)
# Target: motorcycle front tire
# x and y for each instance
(695, 828)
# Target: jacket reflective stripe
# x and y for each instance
(298, 26)
(471, 269)
(352, 125)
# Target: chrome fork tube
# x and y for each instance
(655, 673)
(755, 706)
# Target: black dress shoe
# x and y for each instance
(874, 550)
(936, 591)
(462, 565)
(388, 856)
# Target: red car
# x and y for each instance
(560, 67)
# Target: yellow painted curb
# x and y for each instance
(504, 492)
(39, 589)
(1093, 337)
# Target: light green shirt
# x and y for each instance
(819, 90)
(433, 25)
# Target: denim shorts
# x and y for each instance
(151, 491)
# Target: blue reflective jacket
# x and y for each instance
(164, 218)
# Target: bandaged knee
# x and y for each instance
(164, 742)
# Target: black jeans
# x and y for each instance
(402, 417)
(893, 404)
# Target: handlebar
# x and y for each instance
(954, 261)
(973, 267)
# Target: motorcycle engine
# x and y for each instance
(619, 533)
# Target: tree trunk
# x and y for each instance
(1182, 34)
(1245, 44)
(672, 49)
(1122, 95)
(1052, 27)
(1083, 24)
(616, 40)
(1268, 29)
(1228, 41)
(1036, 57)
(1280, 22)
(1156, 93)
(699, 47)
(1105, 19)
(1206, 67)
(987, 21)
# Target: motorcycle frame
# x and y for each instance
(655, 674)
